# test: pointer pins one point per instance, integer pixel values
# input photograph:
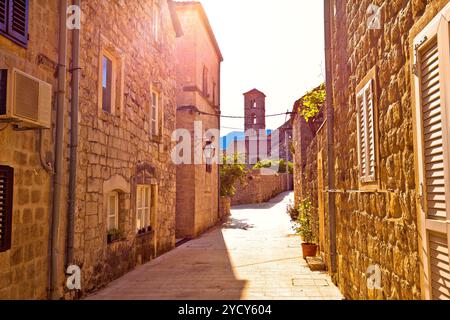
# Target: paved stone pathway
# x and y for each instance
(252, 256)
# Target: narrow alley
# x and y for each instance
(254, 255)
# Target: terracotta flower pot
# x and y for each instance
(309, 250)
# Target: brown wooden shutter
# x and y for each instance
(18, 20)
(3, 15)
(432, 133)
(6, 202)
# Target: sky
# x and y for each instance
(276, 46)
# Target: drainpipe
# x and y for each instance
(59, 148)
(219, 143)
(73, 141)
(330, 136)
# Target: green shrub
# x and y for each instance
(280, 164)
(231, 173)
(306, 224)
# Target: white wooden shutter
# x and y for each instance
(362, 129)
(366, 133)
(432, 132)
(370, 133)
(432, 156)
(439, 266)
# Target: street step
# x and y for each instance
(316, 263)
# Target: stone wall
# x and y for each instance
(197, 187)
(117, 151)
(259, 187)
(24, 268)
(380, 227)
(225, 207)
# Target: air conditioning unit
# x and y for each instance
(24, 99)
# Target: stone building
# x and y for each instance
(198, 111)
(254, 125)
(98, 189)
(384, 175)
(24, 247)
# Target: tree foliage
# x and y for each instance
(313, 102)
(281, 164)
(231, 173)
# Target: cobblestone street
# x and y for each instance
(252, 256)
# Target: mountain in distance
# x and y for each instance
(235, 135)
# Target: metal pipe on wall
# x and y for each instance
(59, 152)
(330, 134)
(75, 70)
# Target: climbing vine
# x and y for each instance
(313, 102)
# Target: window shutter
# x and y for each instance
(366, 131)
(160, 116)
(370, 133)
(432, 132)
(362, 135)
(18, 20)
(3, 14)
(439, 263)
(6, 202)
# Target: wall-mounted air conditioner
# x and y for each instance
(24, 99)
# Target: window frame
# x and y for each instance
(145, 206)
(114, 194)
(105, 53)
(6, 30)
(112, 84)
(116, 56)
(156, 22)
(156, 114)
(205, 81)
(368, 181)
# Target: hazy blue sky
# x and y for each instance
(275, 46)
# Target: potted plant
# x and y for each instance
(306, 227)
(114, 235)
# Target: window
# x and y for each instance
(113, 211)
(107, 84)
(254, 119)
(156, 114)
(156, 22)
(14, 20)
(214, 92)
(205, 81)
(366, 132)
(110, 79)
(6, 203)
(143, 207)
